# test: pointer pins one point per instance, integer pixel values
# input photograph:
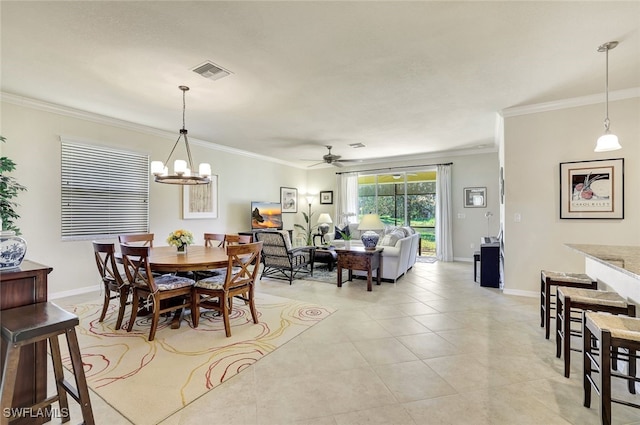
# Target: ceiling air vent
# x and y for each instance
(211, 71)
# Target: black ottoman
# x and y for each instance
(327, 256)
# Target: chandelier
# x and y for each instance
(608, 141)
(182, 170)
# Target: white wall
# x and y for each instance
(33, 143)
(534, 146)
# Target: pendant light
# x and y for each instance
(608, 141)
(182, 170)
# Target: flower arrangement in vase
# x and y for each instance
(180, 239)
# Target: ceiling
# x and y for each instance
(403, 78)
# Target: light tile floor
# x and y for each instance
(434, 348)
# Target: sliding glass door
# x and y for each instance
(402, 198)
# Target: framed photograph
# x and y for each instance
(200, 200)
(289, 199)
(592, 189)
(326, 197)
(475, 197)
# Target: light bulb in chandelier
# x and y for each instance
(182, 169)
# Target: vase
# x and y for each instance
(347, 244)
(12, 250)
(182, 249)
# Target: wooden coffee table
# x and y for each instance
(360, 259)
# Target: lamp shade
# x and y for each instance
(371, 222)
(324, 218)
(607, 142)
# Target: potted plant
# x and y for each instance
(346, 237)
(12, 248)
(9, 189)
(307, 231)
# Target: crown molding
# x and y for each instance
(127, 125)
(569, 103)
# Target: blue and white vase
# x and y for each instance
(12, 250)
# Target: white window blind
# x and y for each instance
(105, 191)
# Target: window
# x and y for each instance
(402, 198)
(105, 191)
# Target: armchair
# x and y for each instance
(280, 260)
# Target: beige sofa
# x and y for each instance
(400, 249)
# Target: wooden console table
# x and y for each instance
(21, 286)
(360, 259)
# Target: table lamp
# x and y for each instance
(323, 224)
(369, 223)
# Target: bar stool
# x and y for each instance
(30, 324)
(583, 299)
(551, 278)
(609, 333)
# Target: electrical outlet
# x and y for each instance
(462, 215)
(472, 245)
(517, 217)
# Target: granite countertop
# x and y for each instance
(623, 258)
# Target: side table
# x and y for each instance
(359, 258)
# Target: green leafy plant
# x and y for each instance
(345, 236)
(307, 229)
(9, 190)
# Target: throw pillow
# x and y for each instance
(392, 238)
(344, 230)
(409, 230)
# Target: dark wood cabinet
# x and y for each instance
(490, 265)
(18, 287)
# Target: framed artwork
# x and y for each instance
(326, 197)
(289, 199)
(475, 197)
(200, 200)
(592, 189)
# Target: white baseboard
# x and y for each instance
(463, 259)
(63, 294)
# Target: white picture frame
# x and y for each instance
(200, 201)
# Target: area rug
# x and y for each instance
(148, 381)
(321, 273)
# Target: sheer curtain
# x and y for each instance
(347, 198)
(444, 241)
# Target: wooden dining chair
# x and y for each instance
(236, 239)
(238, 281)
(214, 239)
(154, 290)
(115, 285)
(140, 239)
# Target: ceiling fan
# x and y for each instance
(334, 159)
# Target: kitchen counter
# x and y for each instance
(615, 267)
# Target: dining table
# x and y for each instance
(167, 259)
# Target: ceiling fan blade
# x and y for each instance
(349, 160)
(337, 164)
(313, 165)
